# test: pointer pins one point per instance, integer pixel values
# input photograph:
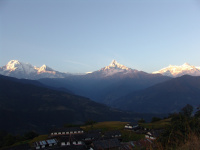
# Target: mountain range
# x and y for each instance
(177, 71)
(18, 69)
(119, 86)
(108, 83)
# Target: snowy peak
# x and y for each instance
(18, 69)
(44, 69)
(12, 65)
(15, 65)
(186, 64)
(176, 71)
(113, 69)
(115, 65)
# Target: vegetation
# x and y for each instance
(155, 119)
(38, 138)
(131, 136)
(161, 124)
(105, 126)
(7, 139)
(182, 132)
(141, 121)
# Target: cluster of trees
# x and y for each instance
(183, 129)
(7, 139)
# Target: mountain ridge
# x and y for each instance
(166, 97)
(18, 69)
(177, 71)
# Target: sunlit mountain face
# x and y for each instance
(177, 71)
(18, 69)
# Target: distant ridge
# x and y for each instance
(166, 97)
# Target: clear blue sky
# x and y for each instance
(85, 35)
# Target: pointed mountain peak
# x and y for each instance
(115, 65)
(14, 62)
(44, 68)
(13, 65)
(186, 64)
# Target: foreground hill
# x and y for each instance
(26, 106)
(166, 97)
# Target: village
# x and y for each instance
(77, 138)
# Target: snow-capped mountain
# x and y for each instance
(112, 69)
(109, 83)
(177, 71)
(15, 65)
(18, 69)
(115, 65)
(45, 69)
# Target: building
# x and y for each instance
(45, 143)
(131, 126)
(75, 139)
(153, 134)
(66, 131)
(111, 144)
(113, 134)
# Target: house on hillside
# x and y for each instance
(153, 134)
(45, 143)
(136, 128)
(91, 136)
(72, 147)
(66, 131)
(131, 126)
(113, 134)
(111, 144)
(75, 139)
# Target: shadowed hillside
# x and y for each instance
(29, 107)
(166, 97)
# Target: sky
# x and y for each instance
(79, 36)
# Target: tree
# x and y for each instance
(154, 119)
(187, 110)
(141, 121)
(197, 114)
(183, 127)
(30, 135)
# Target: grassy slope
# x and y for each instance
(157, 125)
(105, 126)
(115, 125)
